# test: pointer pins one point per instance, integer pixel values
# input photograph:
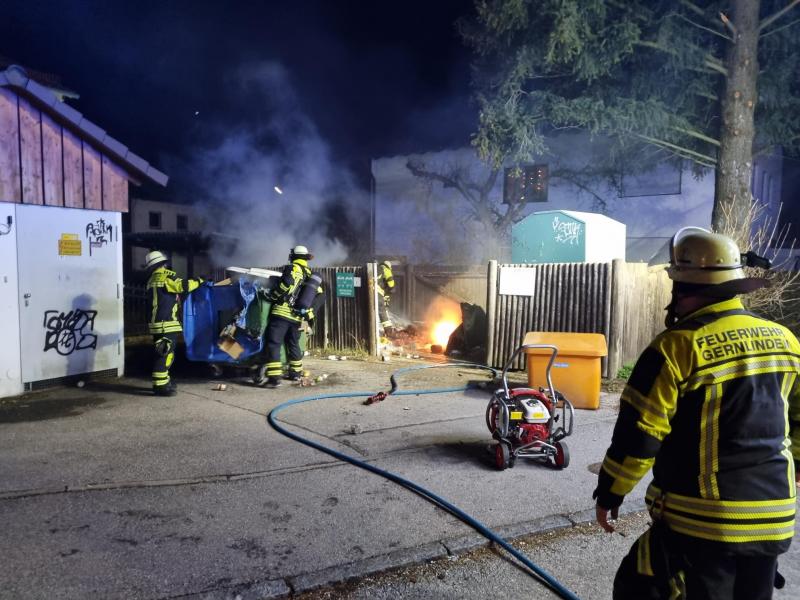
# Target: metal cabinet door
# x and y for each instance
(70, 291)
(10, 381)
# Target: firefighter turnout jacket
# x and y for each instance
(164, 288)
(385, 280)
(284, 294)
(713, 405)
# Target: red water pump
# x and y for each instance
(530, 423)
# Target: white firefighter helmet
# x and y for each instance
(300, 252)
(699, 256)
(156, 257)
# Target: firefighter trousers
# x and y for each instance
(282, 332)
(665, 565)
(164, 355)
(383, 311)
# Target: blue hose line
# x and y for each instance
(534, 569)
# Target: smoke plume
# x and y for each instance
(267, 179)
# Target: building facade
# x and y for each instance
(437, 219)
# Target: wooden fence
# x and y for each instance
(419, 286)
(622, 301)
(342, 324)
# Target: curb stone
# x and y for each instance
(368, 566)
(282, 588)
(258, 590)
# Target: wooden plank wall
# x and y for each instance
(10, 190)
(418, 286)
(623, 301)
(43, 163)
(645, 292)
(571, 297)
(344, 322)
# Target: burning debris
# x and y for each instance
(453, 329)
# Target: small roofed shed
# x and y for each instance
(50, 154)
(63, 189)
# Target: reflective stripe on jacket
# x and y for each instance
(293, 276)
(164, 288)
(707, 406)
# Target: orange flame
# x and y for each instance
(443, 315)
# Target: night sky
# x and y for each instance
(375, 78)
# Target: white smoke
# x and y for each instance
(245, 158)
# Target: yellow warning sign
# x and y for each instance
(69, 245)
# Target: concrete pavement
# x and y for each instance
(107, 491)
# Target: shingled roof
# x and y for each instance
(17, 78)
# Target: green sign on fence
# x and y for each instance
(345, 285)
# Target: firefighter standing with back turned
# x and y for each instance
(711, 405)
(285, 320)
(164, 325)
(385, 290)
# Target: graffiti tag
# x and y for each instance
(68, 332)
(567, 232)
(99, 234)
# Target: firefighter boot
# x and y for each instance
(165, 390)
(272, 382)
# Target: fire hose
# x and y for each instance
(534, 570)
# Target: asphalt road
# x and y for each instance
(109, 492)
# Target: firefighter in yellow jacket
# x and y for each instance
(285, 320)
(164, 290)
(386, 287)
(711, 406)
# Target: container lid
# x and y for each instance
(235, 273)
(567, 343)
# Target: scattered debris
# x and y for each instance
(220, 387)
(406, 408)
(437, 349)
(355, 429)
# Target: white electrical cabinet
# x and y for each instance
(66, 308)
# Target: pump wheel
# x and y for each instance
(561, 458)
(502, 456)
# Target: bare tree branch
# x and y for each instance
(781, 28)
(703, 27)
(767, 21)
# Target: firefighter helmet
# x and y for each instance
(300, 252)
(156, 257)
(699, 256)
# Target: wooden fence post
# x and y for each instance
(491, 310)
(372, 305)
(616, 328)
